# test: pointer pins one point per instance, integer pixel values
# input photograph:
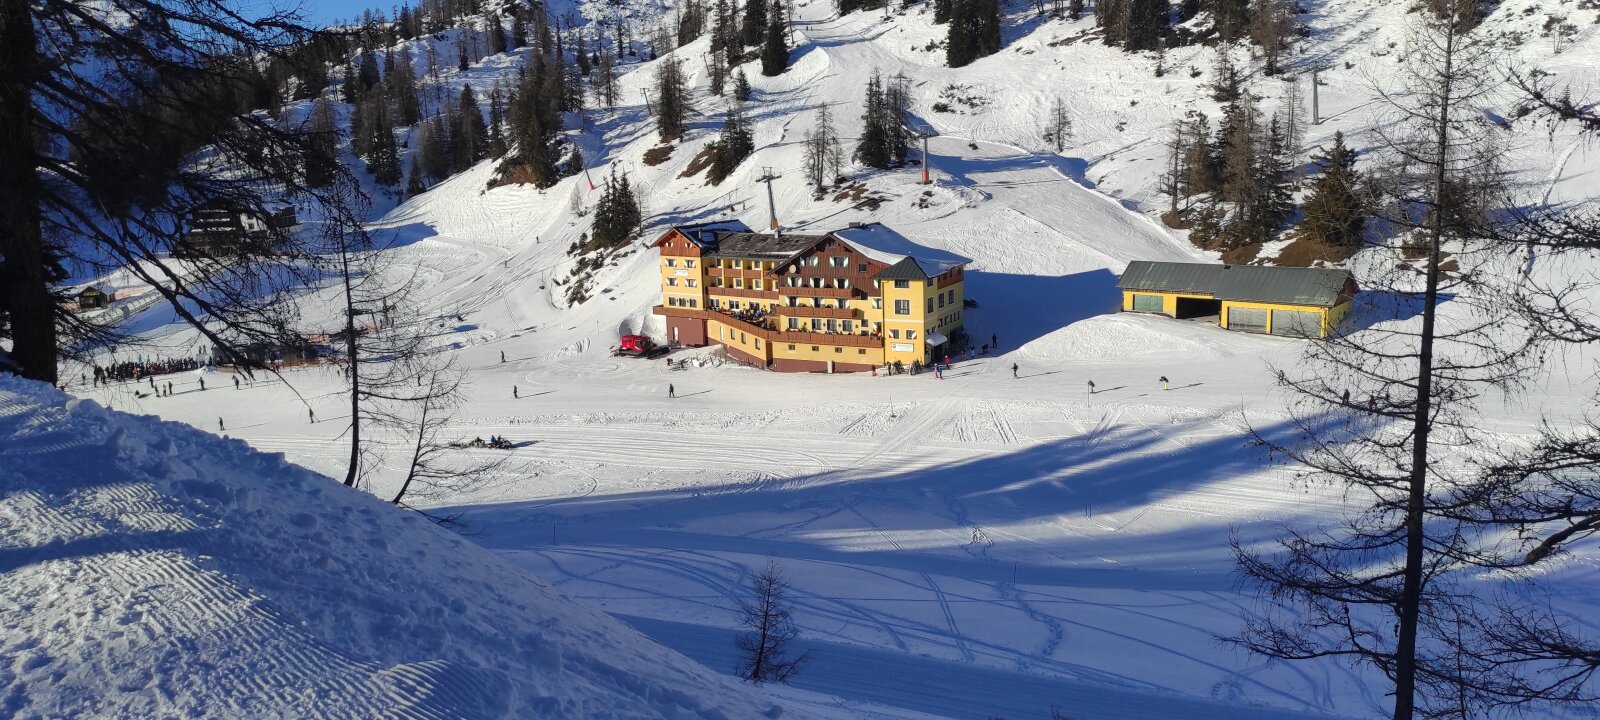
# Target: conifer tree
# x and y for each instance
(672, 99)
(1146, 24)
(616, 215)
(462, 62)
(497, 119)
(402, 90)
(1335, 212)
(433, 147)
(741, 86)
(497, 34)
(322, 155)
(974, 31)
(717, 74)
(775, 51)
(348, 89)
(367, 75)
(519, 32)
(754, 27)
(896, 103)
(1226, 83)
(383, 157)
(872, 149)
(605, 80)
(734, 145)
(471, 138)
(942, 11)
(581, 54)
(414, 183)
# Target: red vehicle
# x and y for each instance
(640, 346)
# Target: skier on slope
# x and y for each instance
(672, 392)
(1014, 370)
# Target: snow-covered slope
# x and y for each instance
(148, 569)
(989, 544)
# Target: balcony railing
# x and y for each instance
(771, 335)
(814, 292)
(815, 338)
(807, 311)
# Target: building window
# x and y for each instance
(793, 281)
(930, 306)
(902, 307)
(833, 325)
(758, 343)
(738, 283)
(894, 333)
(791, 346)
(911, 334)
(737, 264)
(672, 282)
(733, 304)
(813, 261)
(742, 339)
(861, 268)
(846, 326)
(816, 324)
(902, 284)
(694, 303)
(838, 261)
(755, 284)
(941, 299)
(840, 283)
(690, 283)
(671, 262)
(794, 324)
(815, 348)
(688, 263)
(838, 349)
(877, 303)
(861, 351)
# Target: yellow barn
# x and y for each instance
(1297, 302)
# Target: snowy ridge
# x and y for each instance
(148, 569)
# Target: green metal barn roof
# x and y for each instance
(1243, 283)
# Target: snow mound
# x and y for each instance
(1112, 337)
(148, 569)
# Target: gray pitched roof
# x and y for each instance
(1244, 283)
(906, 269)
(760, 245)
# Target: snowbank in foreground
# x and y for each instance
(148, 569)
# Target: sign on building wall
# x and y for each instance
(903, 347)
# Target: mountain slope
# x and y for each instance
(148, 569)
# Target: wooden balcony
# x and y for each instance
(806, 311)
(821, 292)
(802, 337)
(734, 292)
(797, 337)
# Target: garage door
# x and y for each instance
(1298, 323)
(1247, 319)
(1147, 303)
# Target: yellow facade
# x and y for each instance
(1330, 317)
(892, 323)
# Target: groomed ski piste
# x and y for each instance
(978, 546)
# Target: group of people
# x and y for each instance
(135, 370)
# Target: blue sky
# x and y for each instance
(323, 11)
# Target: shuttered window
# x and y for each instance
(1247, 319)
(1296, 323)
(1147, 303)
